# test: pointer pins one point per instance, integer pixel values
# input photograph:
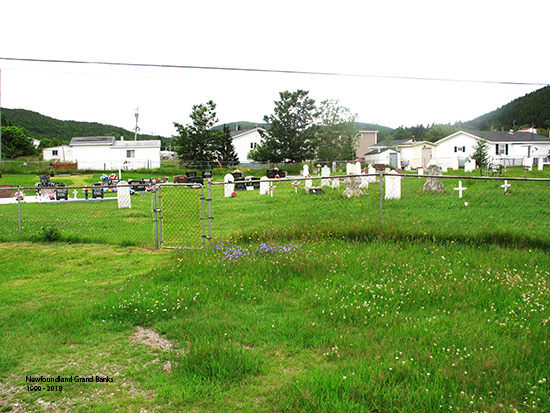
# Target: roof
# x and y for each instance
(502, 137)
(388, 143)
(237, 133)
(376, 152)
(93, 140)
(111, 141)
(135, 144)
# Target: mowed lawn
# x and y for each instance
(310, 325)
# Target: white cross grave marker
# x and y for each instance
(460, 189)
(506, 186)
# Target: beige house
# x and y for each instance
(365, 139)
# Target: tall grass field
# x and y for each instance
(248, 325)
(299, 302)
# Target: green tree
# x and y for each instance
(481, 153)
(195, 143)
(440, 131)
(16, 142)
(49, 142)
(335, 135)
(291, 133)
(225, 150)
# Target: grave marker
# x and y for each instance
(460, 189)
(393, 186)
(123, 195)
(506, 186)
(434, 185)
(264, 185)
(325, 172)
(229, 186)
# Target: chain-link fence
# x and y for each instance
(514, 211)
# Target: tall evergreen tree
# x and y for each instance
(290, 136)
(335, 135)
(225, 150)
(481, 153)
(195, 143)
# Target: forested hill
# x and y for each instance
(43, 127)
(532, 109)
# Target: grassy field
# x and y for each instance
(252, 326)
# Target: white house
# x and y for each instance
(505, 148)
(107, 154)
(62, 153)
(244, 141)
(385, 156)
(411, 154)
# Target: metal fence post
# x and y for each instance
(210, 210)
(202, 217)
(19, 207)
(155, 219)
(381, 197)
(159, 209)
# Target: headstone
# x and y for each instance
(434, 185)
(334, 166)
(420, 171)
(506, 186)
(455, 164)
(335, 183)
(308, 184)
(6, 193)
(444, 169)
(352, 187)
(305, 171)
(540, 164)
(180, 179)
(75, 194)
(325, 173)
(357, 168)
(350, 169)
(392, 186)
(264, 185)
(229, 186)
(460, 189)
(470, 166)
(372, 174)
(123, 195)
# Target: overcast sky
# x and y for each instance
(482, 40)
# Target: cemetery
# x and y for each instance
(381, 286)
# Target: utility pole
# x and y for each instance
(137, 128)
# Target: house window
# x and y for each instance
(460, 149)
(54, 152)
(501, 149)
(253, 145)
(130, 153)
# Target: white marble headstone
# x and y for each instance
(308, 184)
(123, 195)
(541, 164)
(393, 186)
(325, 173)
(335, 183)
(305, 171)
(264, 185)
(372, 172)
(470, 166)
(350, 169)
(229, 186)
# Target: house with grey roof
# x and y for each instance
(244, 141)
(505, 148)
(105, 153)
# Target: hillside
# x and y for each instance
(41, 126)
(531, 109)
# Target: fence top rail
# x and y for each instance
(480, 178)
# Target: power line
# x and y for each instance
(280, 71)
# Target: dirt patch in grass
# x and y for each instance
(150, 338)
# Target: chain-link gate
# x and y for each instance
(179, 216)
